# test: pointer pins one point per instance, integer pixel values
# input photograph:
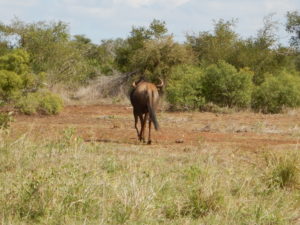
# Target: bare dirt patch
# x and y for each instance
(114, 123)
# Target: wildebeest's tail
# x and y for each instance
(151, 109)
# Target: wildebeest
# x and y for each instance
(144, 99)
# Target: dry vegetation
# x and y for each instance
(105, 89)
(67, 181)
(72, 176)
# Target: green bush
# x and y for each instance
(16, 76)
(33, 81)
(40, 102)
(10, 85)
(225, 86)
(28, 104)
(50, 103)
(184, 88)
(16, 61)
(276, 93)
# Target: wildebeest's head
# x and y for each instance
(142, 79)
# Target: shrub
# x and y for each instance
(50, 103)
(16, 61)
(225, 86)
(184, 88)
(33, 81)
(16, 76)
(10, 85)
(276, 93)
(28, 104)
(40, 102)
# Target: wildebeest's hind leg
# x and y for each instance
(149, 137)
(144, 122)
(142, 125)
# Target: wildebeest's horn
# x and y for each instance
(134, 84)
(161, 83)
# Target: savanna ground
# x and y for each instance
(85, 166)
(114, 124)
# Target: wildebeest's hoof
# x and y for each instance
(149, 142)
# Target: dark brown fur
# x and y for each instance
(144, 99)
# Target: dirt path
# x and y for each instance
(113, 123)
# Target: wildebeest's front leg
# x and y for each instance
(149, 137)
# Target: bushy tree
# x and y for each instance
(50, 50)
(138, 36)
(41, 40)
(151, 52)
(261, 59)
(260, 53)
(157, 58)
(99, 58)
(224, 85)
(213, 47)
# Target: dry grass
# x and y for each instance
(103, 90)
(68, 181)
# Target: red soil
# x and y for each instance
(114, 123)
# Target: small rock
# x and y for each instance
(178, 141)
(206, 128)
(241, 130)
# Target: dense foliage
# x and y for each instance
(23, 88)
(184, 90)
(217, 67)
(277, 93)
(225, 86)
